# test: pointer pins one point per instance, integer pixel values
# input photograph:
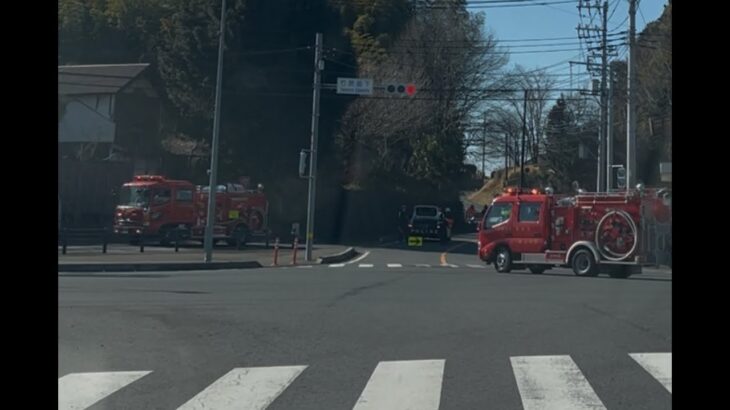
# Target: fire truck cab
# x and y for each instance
(154, 206)
(588, 232)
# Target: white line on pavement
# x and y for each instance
(403, 385)
(251, 388)
(395, 265)
(553, 383)
(476, 266)
(78, 391)
(423, 265)
(359, 258)
(658, 365)
(365, 265)
(337, 265)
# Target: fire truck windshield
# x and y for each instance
(497, 214)
(134, 196)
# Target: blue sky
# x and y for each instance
(557, 20)
(509, 24)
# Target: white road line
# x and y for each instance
(403, 385)
(448, 265)
(250, 388)
(553, 383)
(476, 266)
(423, 265)
(395, 265)
(81, 390)
(359, 258)
(304, 266)
(337, 265)
(365, 265)
(659, 365)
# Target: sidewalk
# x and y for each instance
(129, 258)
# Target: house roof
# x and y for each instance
(96, 79)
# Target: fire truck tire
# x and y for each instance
(240, 231)
(583, 263)
(165, 236)
(503, 260)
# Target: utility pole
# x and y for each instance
(213, 183)
(609, 134)
(631, 101)
(524, 135)
(484, 146)
(506, 158)
(317, 85)
(601, 182)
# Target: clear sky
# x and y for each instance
(557, 19)
(534, 33)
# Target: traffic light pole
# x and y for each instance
(313, 148)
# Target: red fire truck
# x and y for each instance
(241, 214)
(588, 232)
(152, 206)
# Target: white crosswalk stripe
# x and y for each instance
(553, 383)
(543, 383)
(403, 385)
(423, 265)
(659, 365)
(337, 265)
(449, 265)
(252, 388)
(395, 265)
(365, 265)
(476, 266)
(78, 391)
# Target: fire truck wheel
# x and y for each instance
(537, 269)
(583, 263)
(239, 232)
(503, 260)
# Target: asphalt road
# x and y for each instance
(395, 329)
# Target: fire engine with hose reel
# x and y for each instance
(588, 232)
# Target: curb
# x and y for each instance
(345, 255)
(154, 266)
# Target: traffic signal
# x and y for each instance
(401, 89)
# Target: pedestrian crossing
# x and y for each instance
(543, 383)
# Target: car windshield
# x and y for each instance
(134, 196)
(426, 211)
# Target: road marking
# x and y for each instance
(81, 390)
(423, 265)
(337, 265)
(245, 388)
(553, 383)
(304, 266)
(403, 385)
(443, 255)
(365, 265)
(476, 266)
(448, 265)
(359, 258)
(659, 365)
(395, 265)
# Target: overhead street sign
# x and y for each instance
(356, 86)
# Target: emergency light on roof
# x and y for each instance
(515, 191)
(157, 178)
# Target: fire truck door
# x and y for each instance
(528, 231)
(183, 209)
